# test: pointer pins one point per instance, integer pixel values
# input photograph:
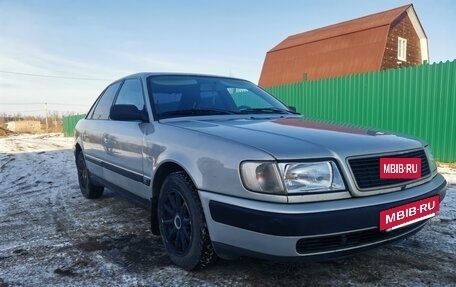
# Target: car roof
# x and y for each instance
(147, 74)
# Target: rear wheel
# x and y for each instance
(88, 189)
(182, 224)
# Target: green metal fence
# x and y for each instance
(69, 122)
(419, 101)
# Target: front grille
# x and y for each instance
(347, 240)
(367, 170)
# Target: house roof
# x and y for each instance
(349, 47)
(347, 27)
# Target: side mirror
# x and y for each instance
(291, 108)
(127, 113)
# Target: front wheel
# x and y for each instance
(182, 224)
(88, 189)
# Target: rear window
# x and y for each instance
(103, 107)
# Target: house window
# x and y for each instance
(401, 49)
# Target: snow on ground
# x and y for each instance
(51, 235)
(448, 173)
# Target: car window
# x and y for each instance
(131, 94)
(246, 98)
(165, 102)
(180, 96)
(101, 111)
(92, 109)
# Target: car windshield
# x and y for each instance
(180, 96)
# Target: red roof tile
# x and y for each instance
(349, 47)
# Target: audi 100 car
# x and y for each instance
(227, 170)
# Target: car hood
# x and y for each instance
(296, 138)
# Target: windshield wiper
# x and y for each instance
(266, 110)
(196, 112)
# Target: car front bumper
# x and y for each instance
(313, 231)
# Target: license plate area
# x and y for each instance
(406, 214)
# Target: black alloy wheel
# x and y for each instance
(182, 224)
(176, 221)
(88, 189)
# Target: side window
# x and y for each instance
(131, 94)
(103, 107)
(90, 113)
(401, 49)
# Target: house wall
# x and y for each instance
(402, 28)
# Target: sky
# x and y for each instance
(59, 55)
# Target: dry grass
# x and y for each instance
(446, 164)
(5, 132)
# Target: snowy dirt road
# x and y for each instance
(51, 235)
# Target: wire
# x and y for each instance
(53, 76)
(21, 104)
(61, 104)
(32, 111)
(43, 103)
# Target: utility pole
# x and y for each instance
(46, 108)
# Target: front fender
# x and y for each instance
(210, 161)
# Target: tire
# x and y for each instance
(182, 224)
(88, 189)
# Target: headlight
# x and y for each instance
(262, 177)
(311, 177)
(430, 157)
(291, 178)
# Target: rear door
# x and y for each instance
(97, 121)
(123, 143)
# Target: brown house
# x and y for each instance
(385, 40)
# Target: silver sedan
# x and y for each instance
(227, 170)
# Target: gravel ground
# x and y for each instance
(51, 235)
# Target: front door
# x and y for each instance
(123, 144)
